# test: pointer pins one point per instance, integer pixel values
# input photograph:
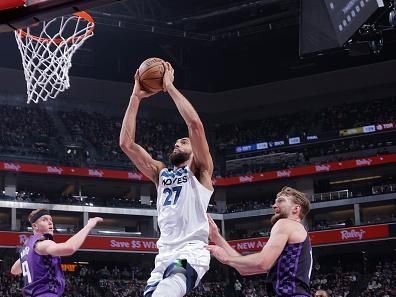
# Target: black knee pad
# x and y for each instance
(182, 266)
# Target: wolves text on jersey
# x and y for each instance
(174, 181)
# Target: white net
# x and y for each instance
(47, 50)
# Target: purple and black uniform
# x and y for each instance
(42, 275)
(289, 277)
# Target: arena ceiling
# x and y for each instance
(214, 45)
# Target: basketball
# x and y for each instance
(151, 72)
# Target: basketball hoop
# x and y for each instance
(47, 49)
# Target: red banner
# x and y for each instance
(349, 234)
(74, 171)
(148, 245)
(106, 243)
(7, 4)
(306, 170)
(265, 176)
(338, 236)
(249, 245)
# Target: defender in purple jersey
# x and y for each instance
(286, 257)
(39, 260)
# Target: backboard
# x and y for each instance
(15, 14)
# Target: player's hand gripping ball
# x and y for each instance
(151, 73)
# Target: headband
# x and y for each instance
(36, 216)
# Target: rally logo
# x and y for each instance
(352, 234)
(283, 173)
(53, 169)
(363, 162)
(134, 175)
(12, 166)
(94, 172)
(321, 168)
(246, 179)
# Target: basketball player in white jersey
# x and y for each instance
(183, 195)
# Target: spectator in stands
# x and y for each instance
(321, 293)
(125, 274)
(238, 288)
(92, 133)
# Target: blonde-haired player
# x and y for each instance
(287, 256)
(40, 262)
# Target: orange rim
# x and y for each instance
(82, 14)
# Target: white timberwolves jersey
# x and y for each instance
(182, 202)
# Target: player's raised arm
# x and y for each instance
(202, 158)
(216, 238)
(259, 262)
(49, 247)
(138, 155)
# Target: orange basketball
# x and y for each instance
(151, 73)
